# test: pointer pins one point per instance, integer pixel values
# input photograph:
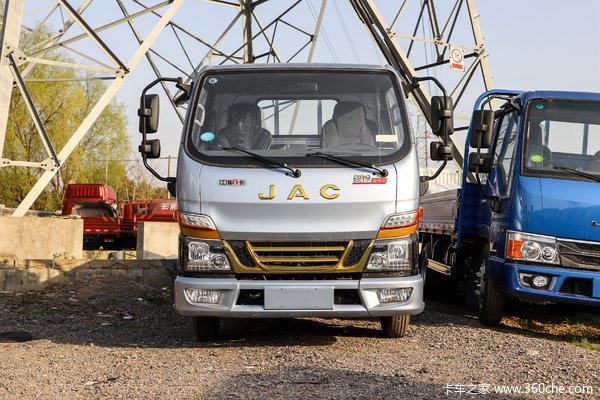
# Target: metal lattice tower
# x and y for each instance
(110, 39)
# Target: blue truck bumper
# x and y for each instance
(566, 285)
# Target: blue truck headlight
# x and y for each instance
(391, 255)
(204, 256)
(528, 247)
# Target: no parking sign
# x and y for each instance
(457, 59)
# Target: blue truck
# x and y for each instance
(525, 223)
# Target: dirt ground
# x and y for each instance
(115, 339)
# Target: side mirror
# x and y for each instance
(482, 127)
(442, 115)
(423, 187)
(148, 113)
(440, 152)
(480, 163)
(151, 149)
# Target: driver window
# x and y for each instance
(504, 149)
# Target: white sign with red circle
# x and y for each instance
(457, 59)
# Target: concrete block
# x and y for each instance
(41, 238)
(157, 240)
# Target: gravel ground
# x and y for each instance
(120, 340)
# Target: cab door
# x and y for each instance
(500, 179)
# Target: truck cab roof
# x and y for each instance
(296, 66)
(557, 94)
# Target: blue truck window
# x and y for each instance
(505, 147)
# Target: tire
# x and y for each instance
(206, 328)
(490, 301)
(396, 326)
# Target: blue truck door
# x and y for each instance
(499, 183)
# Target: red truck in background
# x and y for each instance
(109, 223)
(134, 211)
(96, 204)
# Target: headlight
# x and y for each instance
(403, 219)
(196, 221)
(393, 255)
(528, 247)
(204, 255)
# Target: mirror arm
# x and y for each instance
(431, 78)
(436, 174)
(156, 174)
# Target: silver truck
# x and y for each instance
(298, 195)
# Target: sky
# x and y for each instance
(532, 44)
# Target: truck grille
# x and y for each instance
(239, 249)
(580, 255)
(299, 255)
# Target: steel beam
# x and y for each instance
(386, 40)
(246, 9)
(13, 15)
(39, 126)
(480, 48)
(93, 35)
(98, 108)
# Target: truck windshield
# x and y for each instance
(562, 139)
(289, 115)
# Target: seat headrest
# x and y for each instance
(350, 120)
(245, 115)
(344, 107)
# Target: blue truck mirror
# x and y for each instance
(482, 127)
(148, 113)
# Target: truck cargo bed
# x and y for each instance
(439, 212)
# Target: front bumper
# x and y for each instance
(230, 291)
(559, 290)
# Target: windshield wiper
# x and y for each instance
(381, 171)
(576, 172)
(295, 171)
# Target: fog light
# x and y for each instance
(540, 281)
(394, 295)
(203, 296)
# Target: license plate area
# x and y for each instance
(299, 298)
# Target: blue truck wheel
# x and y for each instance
(490, 301)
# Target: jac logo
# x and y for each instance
(328, 192)
(596, 224)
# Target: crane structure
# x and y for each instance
(110, 39)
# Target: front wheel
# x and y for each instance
(490, 301)
(396, 326)
(206, 328)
